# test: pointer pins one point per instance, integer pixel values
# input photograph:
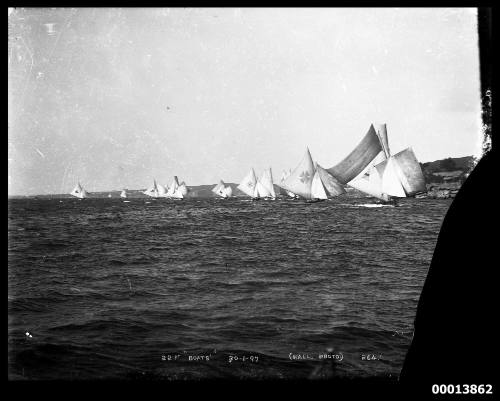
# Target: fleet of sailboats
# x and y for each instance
(369, 168)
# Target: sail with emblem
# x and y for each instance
(79, 192)
(300, 180)
(123, 194)
(248, 184)
(352, 165)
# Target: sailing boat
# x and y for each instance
(248, 185)
(162, 191)
(324, 185)
(176, 190)
(284, 176)
(123, 194)
(311, 181)
(265, 187)
(79, 191)
(390, 176)
(222, 190)
(152, 191)
(300, 180)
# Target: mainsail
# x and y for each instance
(265, 185)
(317, 188)
(123, 194)
(152, 191)
(162, 191)
(369, 180)
(222, 190)
(176, 190)
(284, 176)
(409, 172)
(358, 159)
(330, 183)
(300, 180)
(79, 191)
(248, 184)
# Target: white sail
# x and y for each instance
(79, 192)
(409, 172)
(266, 180)
(300, 180)
(317, 188)
(330, 183)
(123, 194)
(390, 180)
(248, 184)
(229, 191)
(172, 190)
(381, 130)
(370, 183)
(218, 187)
(152, 191)
(261, 190)
(182, 190)
(162, 191)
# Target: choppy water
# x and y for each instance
(109, 289)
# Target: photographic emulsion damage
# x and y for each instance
(233, 193)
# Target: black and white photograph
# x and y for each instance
(240, 193)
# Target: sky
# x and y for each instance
(114, 98)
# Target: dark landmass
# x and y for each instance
(443, 177)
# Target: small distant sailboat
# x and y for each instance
(79, 191)
(222, 190)
(110, 196)
(248, 185)
(123, 194)
(152, 191)
(176, 190)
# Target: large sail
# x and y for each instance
(369, 180)
(317, 188)
(248, 184)
(358, 159)
(266, 180)
(332, 186)
(261, 190)
(381, 130)
(300, 180)
(390, 181)
(409, 172)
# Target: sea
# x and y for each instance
(211, 288)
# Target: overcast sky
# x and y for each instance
(117, 97)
